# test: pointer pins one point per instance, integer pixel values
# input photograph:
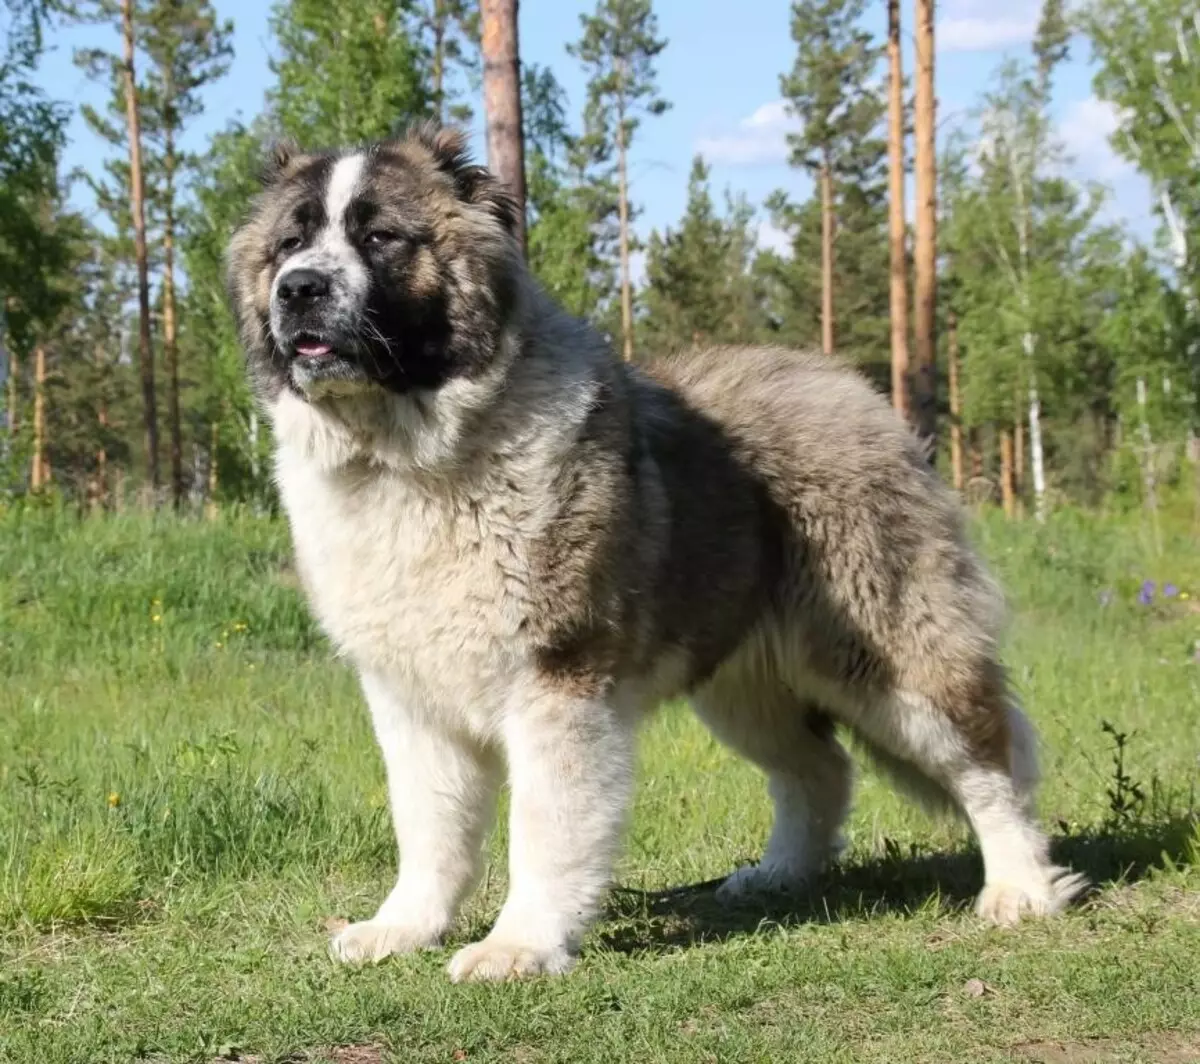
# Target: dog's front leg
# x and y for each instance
(571, 768)
(442, 789)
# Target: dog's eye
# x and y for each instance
(379, 237)
(288, 243)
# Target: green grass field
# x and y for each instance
(190, 797)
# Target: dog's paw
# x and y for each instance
(752, 881)
(1007, 904)
(496, 959)
(372, 940)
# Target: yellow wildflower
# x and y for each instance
(114, 800)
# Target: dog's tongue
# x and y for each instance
(313, 349)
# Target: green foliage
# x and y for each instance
(833, 89)
(619, 45)
(570, 232)
(32, 127)
(345, 72)
(699, 286)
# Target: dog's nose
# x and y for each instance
(303, 286)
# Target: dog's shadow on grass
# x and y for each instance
(661, 920)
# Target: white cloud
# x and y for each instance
(983, 34)
(771, 238)
(1085, 131)
(760, 138)
(985, 26)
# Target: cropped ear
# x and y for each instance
(475, 184)
(277, 161)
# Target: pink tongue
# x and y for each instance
(313, 350)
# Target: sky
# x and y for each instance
(720, 71)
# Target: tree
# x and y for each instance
(570, 232)
(453, 30)
(1148, 55)
(345, 72)
(832, 90)
(924, 371)
(618, 47)
(502, 100)
(120, 73)
(189, 48)
(226, 418)
(898, 229)
(699, 288)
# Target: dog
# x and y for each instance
(524, 545)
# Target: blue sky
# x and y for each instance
(721, 73)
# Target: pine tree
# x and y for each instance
(570, 218)
(619, 45)
(188, 48)
(225, 180)
(699, 287)
(923, 374)
(127, 188)
(346, 72)
(898, 228)
(502, 100)
(32, 257)
(832, 89)
(452, 29)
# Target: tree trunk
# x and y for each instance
(14, 378)
(1019, 455)
(439, 60)
(623, 217)
(170, 345)
(502, 100)
(1036, 453)
(210, 506)
(827, 237)
(924, 380)
(138, 209)
(102, 458)
(1006, 473)
(37, 476)
(898, 228)
(956, 429)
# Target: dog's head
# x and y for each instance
(391, 266)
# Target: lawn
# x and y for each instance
(190, 798)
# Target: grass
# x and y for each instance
(189, 793)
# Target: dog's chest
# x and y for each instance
(429, 589)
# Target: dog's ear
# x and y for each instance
(278, 160)
(474, 184)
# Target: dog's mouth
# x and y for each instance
(312, 349)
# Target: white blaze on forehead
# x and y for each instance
(331, 251)
(343, 183)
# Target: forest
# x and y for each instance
(1053, 351)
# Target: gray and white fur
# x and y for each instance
(524, 546)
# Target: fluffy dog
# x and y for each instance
(524, 545)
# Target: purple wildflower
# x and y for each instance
(1146, 595)
(1170, 591)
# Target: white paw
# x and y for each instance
(495, 959)
(1008, 903)
(755, 880)
(372, 940)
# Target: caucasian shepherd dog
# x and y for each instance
(525, 545)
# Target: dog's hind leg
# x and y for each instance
(972, 742)
(809, 775)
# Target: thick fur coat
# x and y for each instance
(523, 546)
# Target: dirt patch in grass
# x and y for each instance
(367, 1054)
(1167, 1047)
